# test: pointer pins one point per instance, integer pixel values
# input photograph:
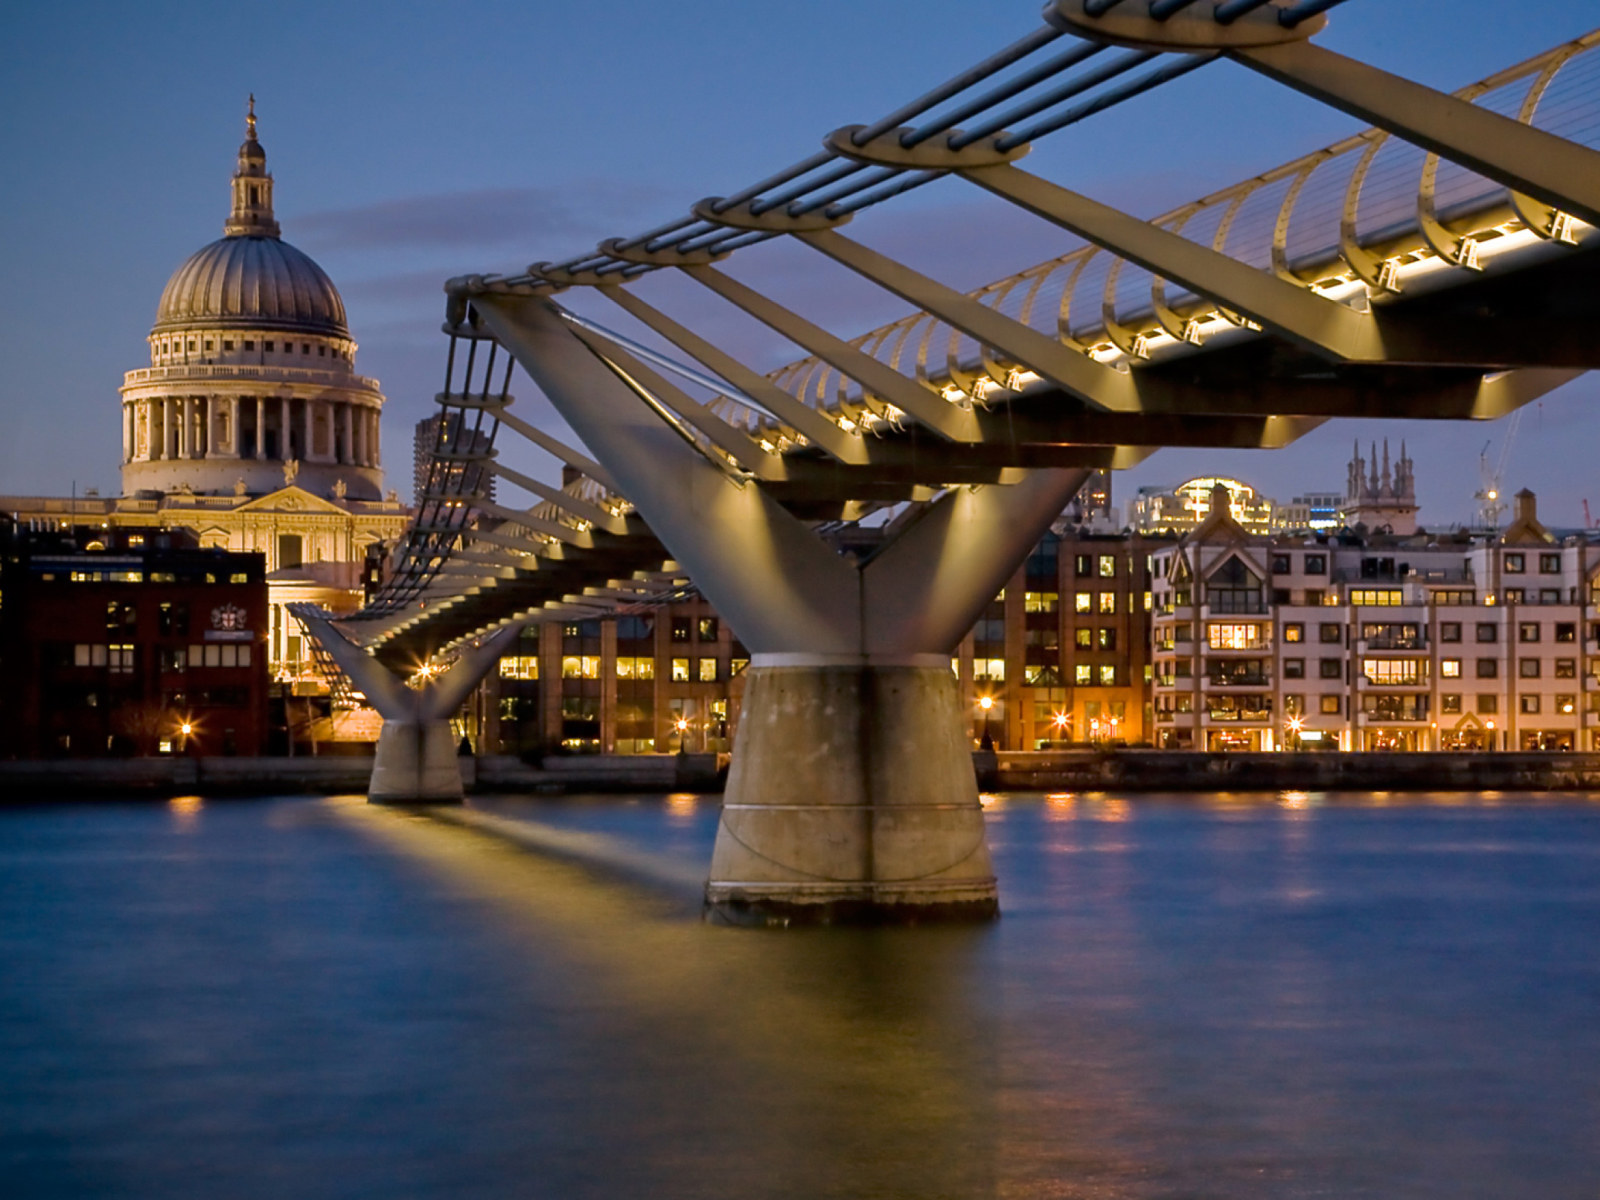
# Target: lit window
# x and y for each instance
(1379, 598)
(1040, 602)
(680, 670)
(1082, 674)
(708, 670)
(1084, 638)
(239, 577)
(1393, 672)
(1294, 633)
(1566, 705)
(1108, 675)
(519, 666)
(1108, 566)
(708, 629)
(1515, 564)
(120, 659)
(580, 666)
(1081, 602)
(736, 666)
(1233, 637)
(993, 669)
(1108, 602)
(1450, 668)
(1530, 702)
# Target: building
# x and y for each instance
(131, 642)
(1385, 503)
(1385, 642)
(1185, 507)
(250, 428)
(442, 432)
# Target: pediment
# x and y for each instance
(291, 499)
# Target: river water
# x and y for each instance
(1235, 996)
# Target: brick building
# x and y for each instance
(128, 641)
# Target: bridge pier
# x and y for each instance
(416, 760)
(851, 795)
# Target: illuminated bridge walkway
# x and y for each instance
(1440, 264)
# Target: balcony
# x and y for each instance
(1231, 681)
(1420, 684)
(251, 371)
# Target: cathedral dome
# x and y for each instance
(251, 281)
(251, 278)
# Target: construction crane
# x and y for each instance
(1489, 494)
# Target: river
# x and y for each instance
(1231, 996)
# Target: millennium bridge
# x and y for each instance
(1440, 264)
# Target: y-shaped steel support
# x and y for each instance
(852, 793)
(416, 759)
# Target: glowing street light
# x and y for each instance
(986, 703)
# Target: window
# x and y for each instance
(1377, 597)
(267, 346)
(1528, 668)
(1294, 668)
(1294, 632)
(227, 344)
(1392, 636)
(1450, 668)
(239, 577)
(120, 659)
(1280, 596)
(1401, 707)
(1549, 564)
(172, 618)
(1040, 602)
(1566, 631)
(249, 344)
(1082, 674)
(580, 666)
(1488, 668)
(1084, 638)
(1450, 703)
(1454, 597)
(1527, 631)
(1449, 631)
(1331, 706)
(1233, 637)
(1108, 675)
(736, 665)
(1566, 705)
(1488, 632)
(1081, 602)
(1294, 705)
(174, 658)
(1515, 595)
(290, 550)
(680, 629)
(1316, 597)
(680, 670)
(1108, 602)
(1108, 566)
(1515, 564)
(1393, 672)
(1566, 668)
(708, 670)
(305, 347)
(989, 668)
(1281, 564)
(1234, 588)
(1488, 702)
(1330, 634)
(639, 666)
(1330, 668)
(708, 629)
(1108, 639)
(519, 666)
(1083, 565)
(1316, 564)
(1529, 702)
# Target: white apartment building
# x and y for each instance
(1379, 643)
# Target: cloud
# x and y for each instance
(486, 218)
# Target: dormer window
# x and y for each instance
(228, 344)
(209, 344)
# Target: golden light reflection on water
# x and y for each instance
(835, 1062)
(681, 806)
(185, 811)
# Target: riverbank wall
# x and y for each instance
(1135, 771)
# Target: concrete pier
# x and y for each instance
(851, 797)
(416, 763)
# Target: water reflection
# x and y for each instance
(1244, 996)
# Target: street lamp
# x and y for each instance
(986, 703)
(682, 726)
(1491, 737)
(1296, 724)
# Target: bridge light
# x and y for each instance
(986, 702)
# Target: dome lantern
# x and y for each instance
(252, 187)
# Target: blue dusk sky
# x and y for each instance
(414, 141)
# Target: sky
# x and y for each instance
(415, 141)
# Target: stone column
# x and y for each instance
(127, 431)
(284, 426)
(308, 420)
(358, 434)
(342, 412)
(377, 439)
(261, 427)
(180, 421)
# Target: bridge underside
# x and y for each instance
(852, 794)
